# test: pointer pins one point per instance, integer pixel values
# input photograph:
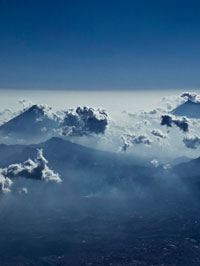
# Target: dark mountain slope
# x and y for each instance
(30, 124)
(189, 109)
(84, 167)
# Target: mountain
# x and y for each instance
(189, 109)
(34, 123)
(188, 169)
(84, 168)
(179, 160)
(189, 172)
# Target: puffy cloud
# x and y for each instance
(126, 143)
(129, 140)
(192, 142)
(25, 103)
(37, 169)
(155, 163)
(172, 102)
(166, 120)
(44, 111)
(158, 133)
(84, 121)
(167, 166)
(5, 183)
(181, 123)
(23, 190)
(191, 96)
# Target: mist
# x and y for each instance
(88, 184)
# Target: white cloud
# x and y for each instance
(131, 139)
(158, 133)
(25, 103)
(23, 190)
(31, 169)
(5, 183)
(191, 96)
(37, 169)
(155, 163)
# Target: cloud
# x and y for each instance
(44, 111)
(5, 183)
(158, 133)
(84, 121)
(31, 169)
(25, 103)
(155, 163)
(129, 140)
(191, 96)
(126, 143)
(166, 120)
(192, 142)
(181, 123)
(37, 169)
(23, 190)
(167, 166)
(35, 123)
(6, 115)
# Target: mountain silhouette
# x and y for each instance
(31, 124)
(189, 109)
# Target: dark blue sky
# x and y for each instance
(99, 44)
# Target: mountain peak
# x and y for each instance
(189, 109)
(32, 122)
(35, 107)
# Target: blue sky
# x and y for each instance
(99, 45)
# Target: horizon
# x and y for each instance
(61, 99)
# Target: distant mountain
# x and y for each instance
(179, 160)
(86, 171)
(188, 169)
(31, 124)
(189, 172)
(84, 168)
(189, 109)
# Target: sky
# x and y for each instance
(99, 45)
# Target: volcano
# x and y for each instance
(189, 109)
(31, 124)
